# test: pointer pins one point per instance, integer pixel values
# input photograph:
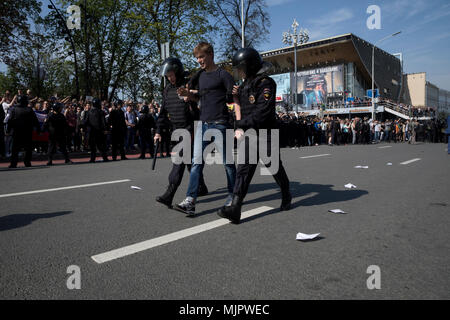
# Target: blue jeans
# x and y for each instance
(129, 139)
(377, 135)
(199, 147)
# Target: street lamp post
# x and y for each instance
(70, 39)
(373, 71)
(242, 23)
(295, 37)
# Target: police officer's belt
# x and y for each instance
(216, 122)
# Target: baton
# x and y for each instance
(155, 154)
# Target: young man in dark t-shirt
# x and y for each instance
(215, 87)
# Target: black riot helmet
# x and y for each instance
(144, 109)
(22, 101)
(96, 103)
(57, 107)
(172, 64)
(249, 61)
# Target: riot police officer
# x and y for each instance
(21, 121)
(96, 124)
(145, 125)
(177, 113)
(116, 121)
(56, 125)
(255, 109)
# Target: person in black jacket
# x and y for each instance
(116, 121)
(255, 109)
(2, 129)
(56, 125)
(177, 113)
(96, 124)
(145, 125)
(21, 122)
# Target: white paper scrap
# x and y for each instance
(337, 211)
(303, 236)
(389, 164)
(136, 188)
(350, 186)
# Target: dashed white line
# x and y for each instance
(318, 155)
(410, 161)
(148, 244)
(62, 188)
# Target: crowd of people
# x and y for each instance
(409, 110)
(296, 129)
(299, 131)
(133, 126)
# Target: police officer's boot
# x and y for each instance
(167, 197)
(286, 199)
(233, 212)
(283, 182)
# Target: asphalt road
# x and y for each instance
(397, 218)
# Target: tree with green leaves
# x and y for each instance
(15, 23)
(229, 23)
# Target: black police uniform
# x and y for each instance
(96, 124)
(145, 125)
(257, 103)
(57, 127)
(2, 132)
(116, 121)
(175, 113)
(22, 120)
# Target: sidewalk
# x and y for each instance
(75, 157)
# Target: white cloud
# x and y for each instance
(272, 3)
(404, 8)
(329, 24)
(333, 17)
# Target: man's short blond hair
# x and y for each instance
(203, 47)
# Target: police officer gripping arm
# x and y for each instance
(177, 113)
(255, 109)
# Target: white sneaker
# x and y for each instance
(229, 200)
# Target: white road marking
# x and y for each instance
(62, 188)
(410, 161)
(319, 155)
(148, 244)
(384, 147)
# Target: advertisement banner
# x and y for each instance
(316, 83)
(283, 82)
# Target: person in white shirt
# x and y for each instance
(377, 127)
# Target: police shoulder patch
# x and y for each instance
(266, 93)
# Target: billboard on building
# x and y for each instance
(316, 83)
(283, 82)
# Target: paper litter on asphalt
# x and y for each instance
(350, 186)
(303, 236)
(337, 211)
(136, 188)
(389, 164)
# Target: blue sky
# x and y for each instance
(425, 26)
